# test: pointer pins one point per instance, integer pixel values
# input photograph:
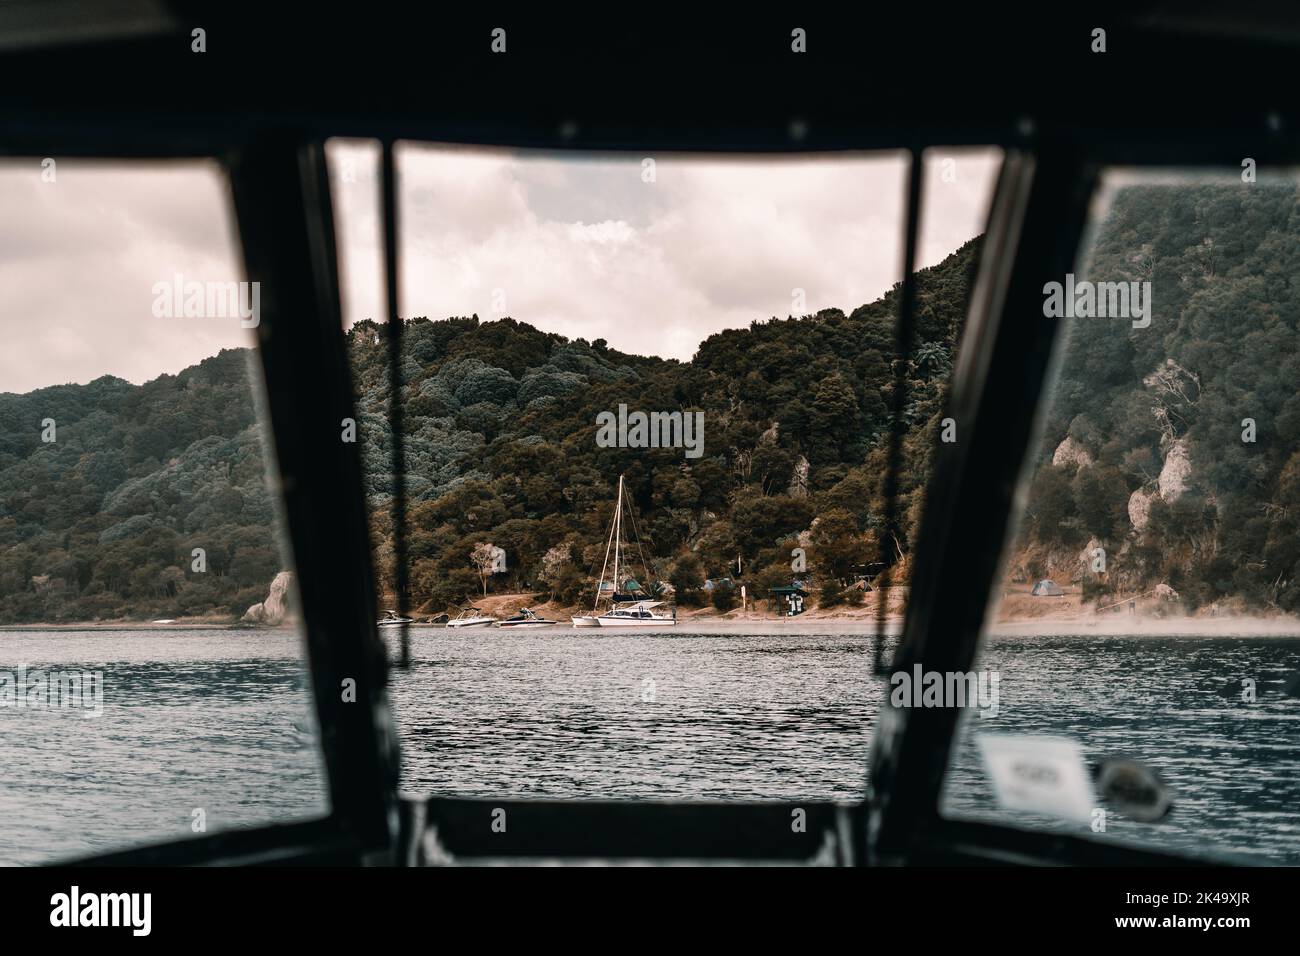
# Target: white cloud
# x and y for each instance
(80, 259)
(579, 246)
(588, 249)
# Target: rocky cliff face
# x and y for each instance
(275, 608)
(1139, 509)
(1070, 452)
(1171, 484)
(1174, 474)
(799, 481)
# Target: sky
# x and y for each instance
(651, 256)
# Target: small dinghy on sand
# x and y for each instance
(471, 617)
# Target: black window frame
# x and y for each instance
(277, 169)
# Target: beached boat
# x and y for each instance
(471, 617)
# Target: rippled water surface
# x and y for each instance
(1175, 704)
(213, 721)
(218, 721)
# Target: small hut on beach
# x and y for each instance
(790, 599)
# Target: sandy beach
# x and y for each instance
(740, 622)
(1017, 614)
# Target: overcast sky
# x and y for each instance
(583, 247)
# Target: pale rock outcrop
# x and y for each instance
(799, 480)
(1088, 554)
(1174, 474)
(272, 611)
(1071, 452)
(1139, 509)
(1166, 593)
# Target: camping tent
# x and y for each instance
(1046, 588)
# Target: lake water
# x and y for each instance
(218, 722)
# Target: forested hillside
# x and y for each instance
(1147, 452)
(101, 523)
(502, 448)
(1142, 452)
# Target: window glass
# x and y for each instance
(151, 673)
(724, 569)
(1147, 609)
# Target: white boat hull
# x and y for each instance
(483, 622)
(587, 621)
(636, 622)
(518, 624)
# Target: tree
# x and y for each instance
(837, 546)
(485, 560)
(686, 577)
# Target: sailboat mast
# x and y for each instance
(618, 529)
(609, 543)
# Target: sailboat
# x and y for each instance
(638, 614)
(624, 610)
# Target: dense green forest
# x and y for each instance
(102, 522)
(1142, 452)
(501, 447)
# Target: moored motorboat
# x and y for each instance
(390, 619)
(526, 618)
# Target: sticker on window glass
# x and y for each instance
(1039, 775)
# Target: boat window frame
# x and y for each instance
(285, 226)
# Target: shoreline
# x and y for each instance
(1015, 613)
(737, 623)
(1116, 626)
(110, 626)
